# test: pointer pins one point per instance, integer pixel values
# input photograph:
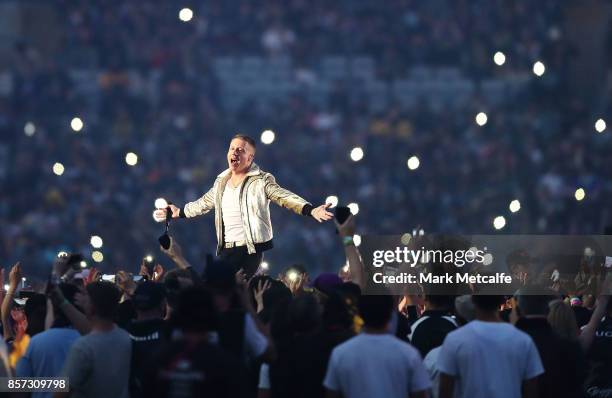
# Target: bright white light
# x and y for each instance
(76, 124)
(499, 222)
(499, 58)
(161, 203)
(131, 159)
(579, 194)
(62, 254)
(413, 163)
(97, 256)
(58, 169)
(265, 266)
(600, 125)
(267, 137)
(332, 200)
(96, 242)
(83, 264)
(515, 206)
(185, 14)
(357, 240)
(292, 276)
(356, 154)
(481, 119)
(539, 68)
(29, 129)
(354, 207)
(149, 258)
(6, 287)
(345, 268)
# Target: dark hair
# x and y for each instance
(304, 314)
(376, 310)
(533, 300)
(337, 312)
(487, 302)
(195, 311)
(278, 294)
(104, 297)
(172, 285)
(35, 310)
(246, 138)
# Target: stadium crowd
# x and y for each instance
(169, 333)
(142, 81)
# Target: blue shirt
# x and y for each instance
(46, 355)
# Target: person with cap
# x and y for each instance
(148, 331)
(241, 198)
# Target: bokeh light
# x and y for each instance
(267, 137)
(96, 242)
(481, 118)
(131, 159)
(265, 266)
(97, 256)
(499, 222)
(580, 194)
(515, 206)
(538, 68)
(185, 14)
(354, 207)
(332, 200)
(83, 264)
(76, 124)
(29, 129)
(499, 58)
(413, 163)
(356, 154)
(161, 203)
(357, 240)
(600, 125)
(58, 169)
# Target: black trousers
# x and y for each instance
(239, 257)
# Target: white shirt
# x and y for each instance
(489, 359)
(233, 230)
(376, 365)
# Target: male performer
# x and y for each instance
(241, 198)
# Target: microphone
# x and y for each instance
(164, 240)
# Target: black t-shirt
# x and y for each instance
(302, 363)
(429, 331)
(600, 356)
(563, 360)
(183, 369)
(148, 336)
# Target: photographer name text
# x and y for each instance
(429, 278)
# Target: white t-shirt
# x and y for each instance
(233, 230)
(376, 365)
(489, 359)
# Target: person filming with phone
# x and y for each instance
(241, 198)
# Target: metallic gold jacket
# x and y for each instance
(256, 192)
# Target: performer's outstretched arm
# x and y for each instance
(201, 206)
(198, 207)
(293, 202)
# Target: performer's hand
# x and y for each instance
(321, 214)
(160, 214)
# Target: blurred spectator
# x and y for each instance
(488, 357)
(375, 363)
(98, 364)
